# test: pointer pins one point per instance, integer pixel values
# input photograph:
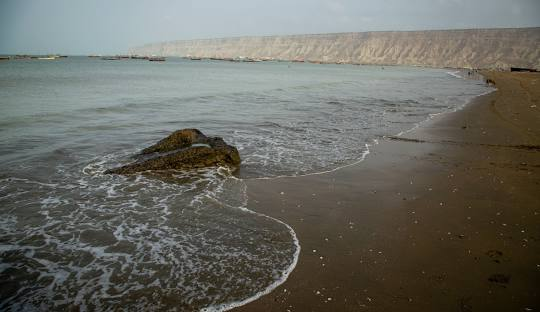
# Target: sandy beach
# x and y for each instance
(442, 218)
(331, 155)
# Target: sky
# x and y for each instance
(78, 27)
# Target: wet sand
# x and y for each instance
(443, 218)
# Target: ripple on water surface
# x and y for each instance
(147, 241)
(71, 236)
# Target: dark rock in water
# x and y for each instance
(183, 149)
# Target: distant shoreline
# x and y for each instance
(240, 59)
(468, 48)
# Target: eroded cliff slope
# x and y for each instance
(471, 48)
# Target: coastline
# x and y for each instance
(443, 217)
(431, 48)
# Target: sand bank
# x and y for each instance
(445, 218)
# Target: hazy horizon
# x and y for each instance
(100, 27)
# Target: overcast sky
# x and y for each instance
(109, 26)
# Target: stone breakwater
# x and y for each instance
(471, 48)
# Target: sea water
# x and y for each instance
(73, 236)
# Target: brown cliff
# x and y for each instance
(470, 48)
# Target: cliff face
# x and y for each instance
(472, 48)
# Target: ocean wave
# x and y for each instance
(72, 235)
(118, 241)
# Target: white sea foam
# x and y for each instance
(98, 239)
(357, 161)
(433, 116)
(224, 307)
(283, 277)
(109, 196)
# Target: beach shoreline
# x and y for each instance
(444, 217)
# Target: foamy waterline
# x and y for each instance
(376, 141)
(431, 117)
(284, 274)
(324, 126)
(275, 284)
(363, 156)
